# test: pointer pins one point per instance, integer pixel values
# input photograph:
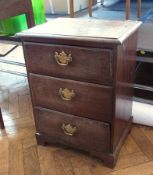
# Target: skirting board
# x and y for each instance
(142, 113)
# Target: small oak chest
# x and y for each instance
(80, 74)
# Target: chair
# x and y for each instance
(10, 8)
(128, 2)
(90, 3)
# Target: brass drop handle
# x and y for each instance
(62, 58)
(69, 129)
(66, 94)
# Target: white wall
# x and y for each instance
(80, 4)
(60, 6)
(142, 113)
(49, 7)
(63, 6)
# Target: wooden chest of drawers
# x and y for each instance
(80, 74)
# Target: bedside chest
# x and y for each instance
(81, 75)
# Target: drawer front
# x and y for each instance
(72, 97)
(83, 64)
(74, 131)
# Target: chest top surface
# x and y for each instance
(88, 29)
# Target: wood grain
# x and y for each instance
(143, 142)
(16, 158)
(31, 162)
(141, 169)
(90, 101)
(17, 143)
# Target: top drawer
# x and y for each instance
(92, 65)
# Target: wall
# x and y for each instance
(63, 6)
(80, 4)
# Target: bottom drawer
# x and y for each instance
(77, 132)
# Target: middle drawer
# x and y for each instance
(72, 97)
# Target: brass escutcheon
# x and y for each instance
(69, 129)
(66, 94)
(62, 58)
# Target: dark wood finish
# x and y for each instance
(1, 120)
(90, 135)
(12, 8)
(124, 86)
(96, 103)
(91, 101)
(88, 64)
(112, 33)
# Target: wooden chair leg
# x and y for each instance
(1, 121)
(29, 14)
(139, 9)
(128, 9)
(71, 8)
(30, 20)
(90, 7)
